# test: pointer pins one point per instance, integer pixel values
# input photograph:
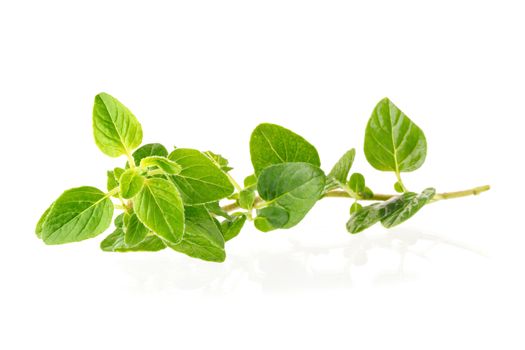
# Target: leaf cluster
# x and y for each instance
(171, 198)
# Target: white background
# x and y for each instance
(203, 75)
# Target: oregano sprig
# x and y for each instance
(172, 199)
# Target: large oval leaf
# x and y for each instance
(202, 238)
(78, 214)
(116, 129)
(200, 180)
(272, 144)
(159, 206)
(392, 141)
(292, 187)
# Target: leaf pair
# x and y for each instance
(391, 212)
(289, 176)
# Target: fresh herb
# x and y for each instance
(171, 200)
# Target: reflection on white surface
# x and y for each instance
(381, 259)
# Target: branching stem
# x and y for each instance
(381, 197)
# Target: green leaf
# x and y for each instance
(250, 181)
(246, 199)
(159, 206)
(148, 150)
(116, 129)
(357, 183)
(338, 176)
(221, 162)
(392, 141)
(199, 181)
(376, 212)
(271, 218)
(78, 214)
(202, 238)
(216, 209)
(115, 242)
(166, 165)
(409, 208)
(40, 223)
(131, 182)
(272, 144)
(355, 208)
(293, 187)
(136, 232)
(231, 228)
(367, 193)
(398, 187)
(111, 181)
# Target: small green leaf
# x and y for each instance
(78, 214)
(111, 181)
(398, 187)
(246, 199)
(115, 242)
(202, 238)
(119, 221)
(159, 206)
(355, 208)
(116, 129)
(293, 187)
(200, 180)
(392, 141)
(40, 223)
(148, 150)
(271, 218)
(367, 193)
(216, 209)
(231, 228)
(166, 165)
(131, 182)
(220, 161)
(136, 232)
(250, 181)
(338, 176)
(410, 208)
(272, 144)
(357, 183)
(118, 173)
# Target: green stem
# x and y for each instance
(131, 161)
(380, 197)
(233, 182)
(398, 176)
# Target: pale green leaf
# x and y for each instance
(159, 206)
(392, 141)
(40, 223)
(272, 144)
(78, 214)
(163, 163)
(116, 129)
(200, 180)
(131, 182)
